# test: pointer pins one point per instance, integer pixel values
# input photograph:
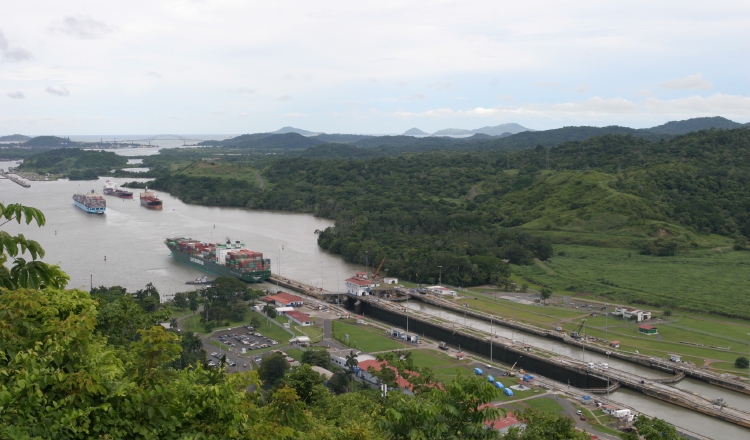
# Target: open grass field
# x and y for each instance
(314, 333)
(363, 338)
(702, 280)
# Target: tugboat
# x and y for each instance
(200, 280)
(111, 189)
(149, 200)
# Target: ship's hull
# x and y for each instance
(151, 204)
(211, 267)
(99, 210)
(118, 193)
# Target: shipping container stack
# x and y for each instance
(245, 260)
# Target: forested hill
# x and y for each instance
(468, 211)
(74, 163)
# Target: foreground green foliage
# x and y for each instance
(23, 273)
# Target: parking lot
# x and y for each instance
(233, 341)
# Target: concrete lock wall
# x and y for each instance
(500, 353)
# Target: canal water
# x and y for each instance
(131, 237)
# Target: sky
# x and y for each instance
(177, 66)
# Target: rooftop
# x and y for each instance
(359, 281)
(283, 297)
(299, 316)
(646, 327)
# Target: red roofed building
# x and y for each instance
(359, 284)
(283, 299)
(299, 317)
(647, 329)
(502, 424)
(376, 365)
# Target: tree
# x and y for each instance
(193, 301)
(273, 368)
(192, 353)
(652, 429)
(741, 362)
(269, 310)
(33, 274)
(319, 358)
(545, 294)
(307, 383)
(540, 425)
(181, 300)
(120, 320)
(339, 382)
(255, 322)
(457, 412)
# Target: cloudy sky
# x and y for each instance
(177, 66)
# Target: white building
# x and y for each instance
(630, 313)
(300, 318)
(440, 290)
(390, 280)
(359, 284)
(338, 357)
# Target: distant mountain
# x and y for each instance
(497, 130)
(414, 132)
(341, 138)
(47, 141)
(501, 129)
(451, 132)
(14, 138)
(694, 124)
(285, 130)
(292, 141)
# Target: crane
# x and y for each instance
(511, 373)
(577, 333)
(375, 274)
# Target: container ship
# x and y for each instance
(149, 200)
(90, 202)
(111, 189)
(221, 259)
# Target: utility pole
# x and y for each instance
(440, 276)
(492, 338)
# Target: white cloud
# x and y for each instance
(690, 82)
(15, 54)
(595, 108)
(83, 27)
(583, 88)
(15, 95)
(57, 91)
(285, 98)
(153, 74)
(295, 115)
(245, 90)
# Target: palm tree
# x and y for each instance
(351, 362)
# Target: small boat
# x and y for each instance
(200, 280)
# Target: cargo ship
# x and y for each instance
(221, 259)
(149, 200)
(111, 189)
(92, 202)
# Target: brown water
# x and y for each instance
(131, 238)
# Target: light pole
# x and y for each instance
(492, 336)
(440, 276)
(321, 276)
(583, 342)
(608, 353)
(748, 374)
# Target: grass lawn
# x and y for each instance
(700, 280)
(270, 329)
(544, 404)
(314, 333)
(536, 314)
(363, 338)
(296, 353)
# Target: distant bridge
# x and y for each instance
(165, 137)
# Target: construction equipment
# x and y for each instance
(512, 373)
(375, 274)
(443, 346)
(577, 333)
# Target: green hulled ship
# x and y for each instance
(221, 259)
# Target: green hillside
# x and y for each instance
(74, 163)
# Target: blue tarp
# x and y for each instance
(528, 377)
(490, 379)
(478, 371)
(499, 385)
(508, 392)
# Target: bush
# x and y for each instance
(667, 313)
(742, 362)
